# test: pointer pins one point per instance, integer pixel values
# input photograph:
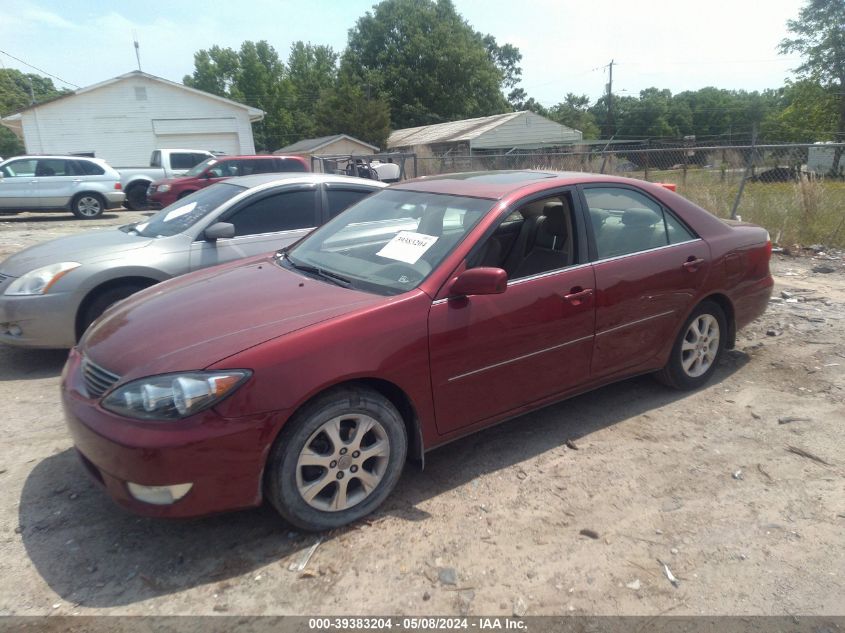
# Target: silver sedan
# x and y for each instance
(50, 293)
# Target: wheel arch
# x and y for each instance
(87, 192)
(397, 397)
(93, 293)
(727, 306)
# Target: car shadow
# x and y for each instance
(30, 364)
(95, 554)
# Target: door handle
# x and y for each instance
(693, 263)
(577, 295)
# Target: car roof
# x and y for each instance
(298, 177)
(62, 156)
(499, 184)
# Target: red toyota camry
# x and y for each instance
(429, 310)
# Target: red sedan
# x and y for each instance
(427, 311)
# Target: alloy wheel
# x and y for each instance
(700, 345)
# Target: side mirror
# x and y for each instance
(479, 281)
(219, 230)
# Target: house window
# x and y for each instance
(140, 93)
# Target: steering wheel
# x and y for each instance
(406, 274)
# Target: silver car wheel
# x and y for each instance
(700, 345)
(342, 462)
(89, 206)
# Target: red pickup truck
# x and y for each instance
(164, 192)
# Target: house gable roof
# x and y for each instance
(255, 114)
(313, 144)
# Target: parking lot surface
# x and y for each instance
(585, 507)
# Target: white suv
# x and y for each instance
(86, 186)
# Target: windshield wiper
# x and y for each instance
(314, 270)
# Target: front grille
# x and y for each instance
(97, 380)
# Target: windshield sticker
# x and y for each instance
(177, 213)
(407, 246)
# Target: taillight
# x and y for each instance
(769, 250)
(118, 186)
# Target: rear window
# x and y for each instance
(184, 160)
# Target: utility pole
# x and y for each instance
(137, 50)
(611, 128)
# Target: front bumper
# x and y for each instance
(161, 200)
(222, 458)
(43, 321)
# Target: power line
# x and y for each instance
(38, 69)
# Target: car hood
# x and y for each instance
(87, 247)
(201, 318)
(173, 181)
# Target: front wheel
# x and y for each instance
(337, 459)
(697, 349)
(87, 206)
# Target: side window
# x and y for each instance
(20, 168)
(52, 167)
(182, 160)
(675, 231)
(87, 168)
(626, 221)
(288, 164)
(277, 212)
(340, 199)
(538, 237)
(196, 159)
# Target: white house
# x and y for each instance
(123, 119)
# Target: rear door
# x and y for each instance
(648, 268)
(57, 181)
(18, 187)
(263, 223)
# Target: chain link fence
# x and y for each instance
(788, 188)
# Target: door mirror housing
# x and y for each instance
(219, 230)
(479, 281)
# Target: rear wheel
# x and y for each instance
(136, 197)
(337, 459)
(697, 349)
(87, 206)
(103, 300)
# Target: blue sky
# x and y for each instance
(565, 44)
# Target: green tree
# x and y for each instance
(351, 108)
(312, 71)
(806, 113)
(17, 91)
(256, 76)
(574, 112)
(429, 63)
(819, 37)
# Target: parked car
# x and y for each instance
(84, 186)
(51, 292)
(308, 377)
(164, 192)
(164, 163)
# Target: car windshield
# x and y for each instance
(389, 242)
(186, 211)
(197, 170)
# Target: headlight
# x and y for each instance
(39, 281)
(163, 188)
(174, 396)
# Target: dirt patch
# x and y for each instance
(582, 507)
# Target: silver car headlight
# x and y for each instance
(163, 188)
(174, 396)
(40, 280)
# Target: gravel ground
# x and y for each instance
(584, 507)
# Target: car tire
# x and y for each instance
(88, 206)
(698, 348)
(316, 476)
(136, 197)
(103, 300)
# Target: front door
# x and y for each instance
(18, 187)
(492, 354)
(264, 223)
